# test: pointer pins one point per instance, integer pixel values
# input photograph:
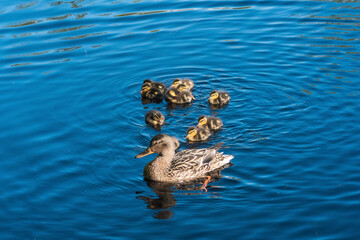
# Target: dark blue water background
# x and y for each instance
(71, 118)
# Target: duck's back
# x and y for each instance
(195, 163)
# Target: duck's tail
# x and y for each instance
(217, 146)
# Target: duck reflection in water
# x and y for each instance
(166, 193)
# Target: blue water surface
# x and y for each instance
(72, 120)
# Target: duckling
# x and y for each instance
(159, 85)
(211, 123)
(219, 98)
(196, 134)
(188, 83)
(175, 83)
(171, 94)
(179, 95)
(151, 93)
(154, 118)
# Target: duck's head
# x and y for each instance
(145, 88)
(157, 116)
(202, 120)
(214, 94)
(177, 81)
(191, 132)
(182, 87)
(159, 144)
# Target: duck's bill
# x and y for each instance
(144, 153)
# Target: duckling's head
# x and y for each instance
(202, 120)
(159, 144)
(157, 116)
(177, 81)
(147, 81)
(182, 87)
(145, 88)
(191, 132)
(214, 94)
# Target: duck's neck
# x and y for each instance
(159, 167)
(165, 157)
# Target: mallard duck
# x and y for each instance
(159, 85)
(196, 134)
(182, 166)
(219, 98)
(151, 93)
(154, 118)
(211, 123)
(179, 95)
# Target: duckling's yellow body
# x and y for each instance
(219, 98)
(196, 134)
(211, 123)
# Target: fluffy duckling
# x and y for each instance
(196, 134)
(151, 93)
(188, 83)
(180, 95)
(159, 85)
(171, 94)
(211, 123)
(176, 83)
(154, 118)
(219, 98)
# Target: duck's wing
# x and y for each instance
(192, 159)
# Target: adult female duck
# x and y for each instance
(182, 166)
